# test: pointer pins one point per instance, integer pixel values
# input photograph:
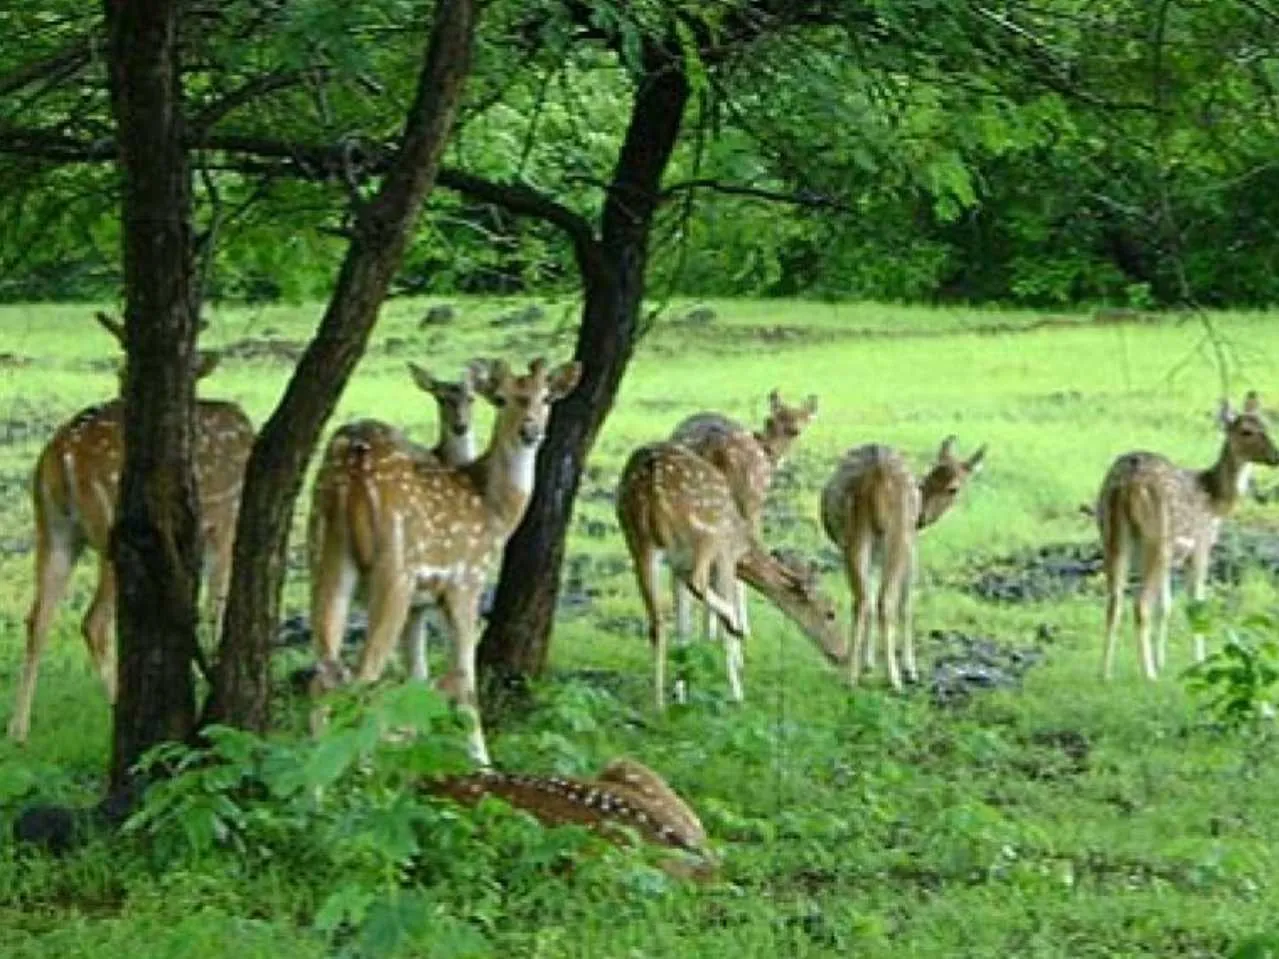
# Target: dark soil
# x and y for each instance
(964, 664)
(269, 348)
(1057, 570)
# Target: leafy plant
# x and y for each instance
(1237, 684)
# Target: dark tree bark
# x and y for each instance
(517, 639)
(155, 544)
(277, 465)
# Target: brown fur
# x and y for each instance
(672, 501)
(408, 531)
(75, 488)
(627, 795)
(748, 461)
(1171, 515)
(872, 505)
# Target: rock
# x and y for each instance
(441, 314)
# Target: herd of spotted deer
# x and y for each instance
(408, 527)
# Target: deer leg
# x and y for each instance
(97, 627)
(333, 583)
(906, 612)
(219, 560)
(1163, 606)
(857, 563)
(461, 610)
(896, 563)
(734, 660)
(1199, 591)
(742, 619)
(683, 627)
(699, 581)
(56, 552)
(1115, 544)
(413, 642)
(645, 560)
(1154, 573)
(390, 596)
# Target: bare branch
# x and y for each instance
(73, 57)
(802, 198)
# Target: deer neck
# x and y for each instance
(505, 474)
(1225, 481)
(453, 448)
(764, 574)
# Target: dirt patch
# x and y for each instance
(583, 575)
(14, 361)
(272, 349)
(1058, 570)
(965, 664)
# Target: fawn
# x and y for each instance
(872, 509)
(409, 531)
(1169, 515)
(75, 489)
(748, 461)
(672, 501)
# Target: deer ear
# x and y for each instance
(1225, 415)
(112, 325)
(810, 404)
(973, 463)
(1252, 402)
(564, 380)
(424, 380)
(485, 376)
(774, 401)
(206, 362)
(947, 452)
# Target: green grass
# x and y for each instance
(850, 824)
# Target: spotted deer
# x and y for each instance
(873, 509)
(74, 491)
(1167, 516)
(455, 404)
(626, 796)
(748, 461)
(407, 532)
(671, 501)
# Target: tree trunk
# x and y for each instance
(517, 640)
(155, 543)
(276, 467)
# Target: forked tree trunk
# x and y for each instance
(155, 544)
(517, 640)
(276, 467)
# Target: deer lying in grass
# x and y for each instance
(873, 509)
(1169, 515)
(75, 489)
(748, 461)
(672, 501)
(626, 796)
(408, 531)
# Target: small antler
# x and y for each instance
(1252, 402)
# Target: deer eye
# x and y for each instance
(499, 401)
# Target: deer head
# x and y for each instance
(1246, 432)
(944, 481)
(523, 403)
(785, 423)
(206, 361)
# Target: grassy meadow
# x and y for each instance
(1058, 818)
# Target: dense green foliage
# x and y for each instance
(1061, 818)
(1062, 153)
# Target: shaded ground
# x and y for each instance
(964, 664)
(1057, 570)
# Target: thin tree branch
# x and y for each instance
(74, 56)
(802, 198)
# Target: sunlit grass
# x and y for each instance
(903, 830)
